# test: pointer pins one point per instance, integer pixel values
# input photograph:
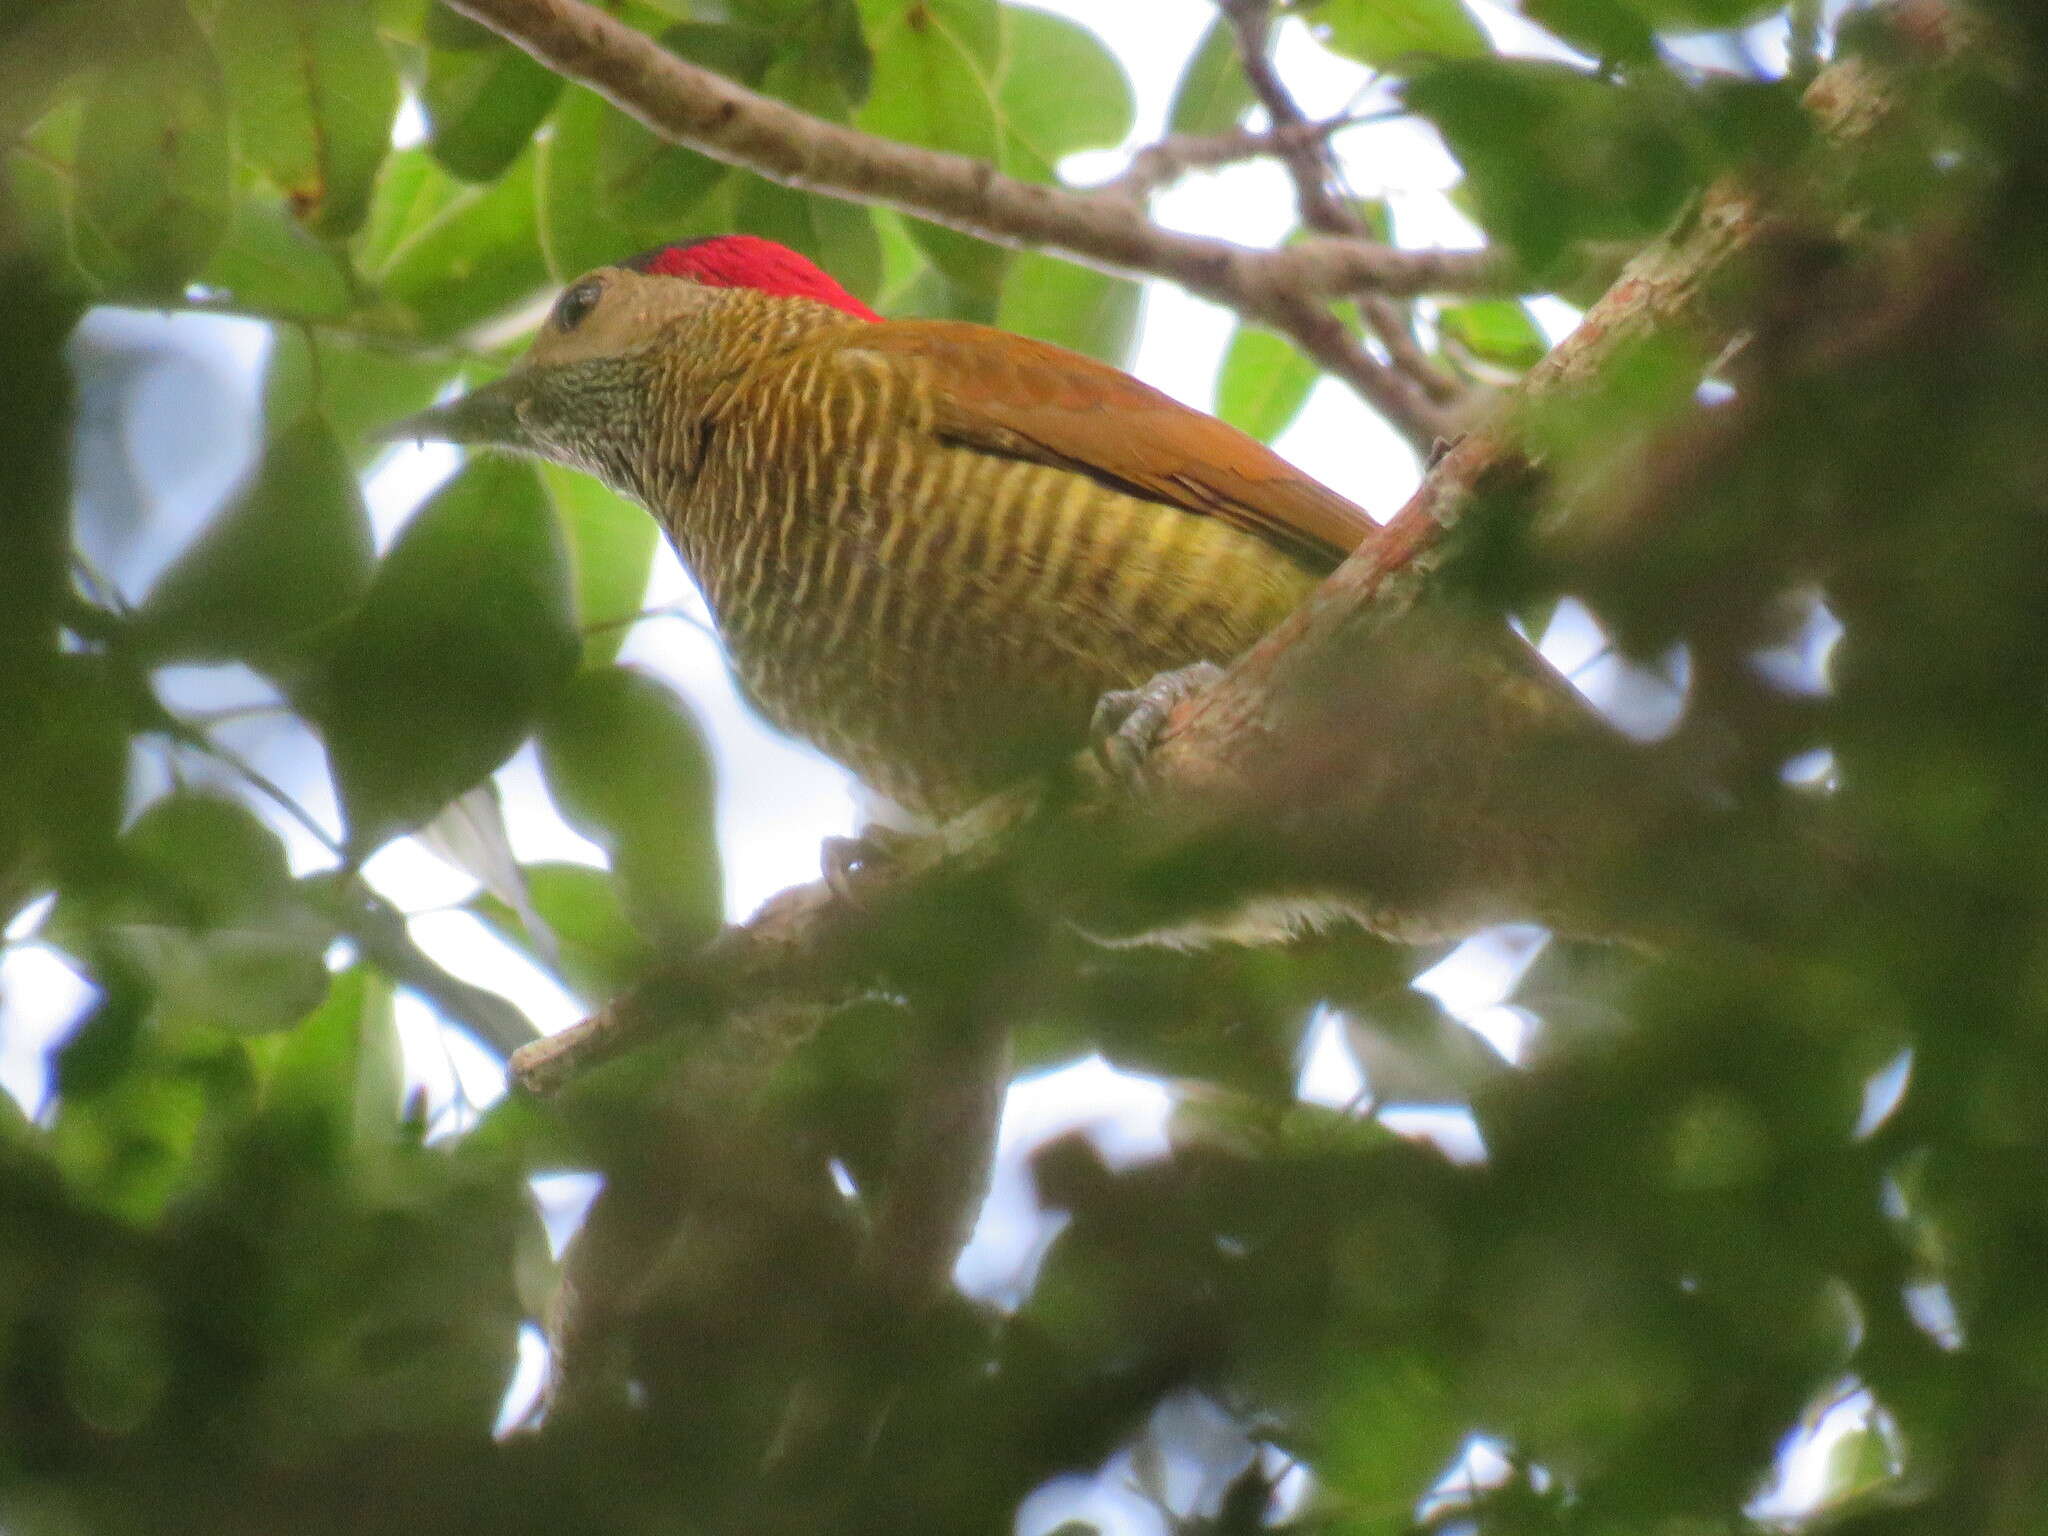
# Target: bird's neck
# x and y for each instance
(702, 362)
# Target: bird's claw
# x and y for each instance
(852, 862)
(1128, 721)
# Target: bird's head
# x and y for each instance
(583, 381)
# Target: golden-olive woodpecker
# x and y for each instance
(929, 546)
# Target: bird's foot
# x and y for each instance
(1128, 721)
(852, 862)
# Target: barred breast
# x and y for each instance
(939, 619)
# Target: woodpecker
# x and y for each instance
(929, 547)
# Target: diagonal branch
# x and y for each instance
(1226, 747)
(725, 121)
(1229, 746)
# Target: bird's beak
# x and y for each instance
(487, 416)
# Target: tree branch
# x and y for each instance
(815, 945)
(1419, 395)
(1251, 25)
(712, 115)
(1395, 392)
(1161, 164)
(1283, 727)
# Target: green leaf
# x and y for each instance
(204, 911)
(813, 79)
(1385, 34)
(205, 860)
(1862, 1459)
(1213, 95)
(1704, 15)
(1494, 331)
(128, 1148)
(386, 1312)
(404, 25)
(630, 770)
(314, 95)
(272, 266)
(846, 243)
(575, 221)
(819, 37)
(976, 266)
(903, 261)
(483, 97)
(117, 1358)
(466, 631)
(412, 190)
(611, 550)
(933, 294)
(285, 560)
(1263, 383)
(740, 52)
(973, 27)
(644, 180)
(833, 40)
(1376, 216)
(1394, 1426)
(596, 950)
(932, 86)
(1061, 90)
(67, 763)
(1625, 31)
(339, 1074)
(1071, 306)
(292, 553)
(155, 167)
(358, 387)
(42, 183)
(43, 49)
(469, 253)
(1553, 155)
(1648, 384)
(1614, 30)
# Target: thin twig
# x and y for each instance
(1251, 23)
(1802, 45)
(667, 611)
(1325, 210)
(376, 926)
(194, 738)
(1159, 165)
(1393, 392)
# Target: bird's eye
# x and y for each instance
(576, 303)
